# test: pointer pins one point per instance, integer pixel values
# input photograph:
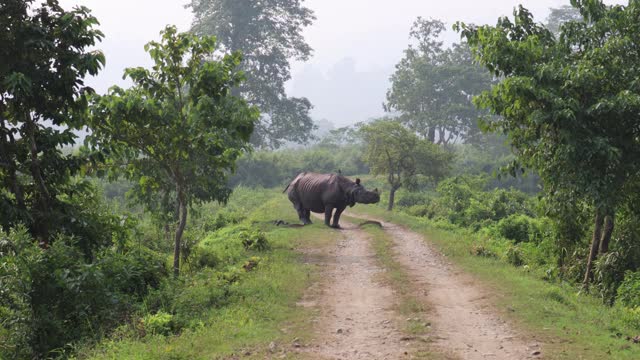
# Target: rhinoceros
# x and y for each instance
(321, 193)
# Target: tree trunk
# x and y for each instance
(432, 134)
(179, 231)
(392, 198)
(606, 234)
(41, 228)
(595, 245)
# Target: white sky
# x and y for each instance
(369, 34)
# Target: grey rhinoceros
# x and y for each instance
(321, 193)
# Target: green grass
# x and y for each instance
(262, 308)
(570, 325)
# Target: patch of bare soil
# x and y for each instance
(464, 323)
(356, 318)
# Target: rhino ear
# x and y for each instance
(376, 190)
(357, 181)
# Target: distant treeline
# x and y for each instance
(271, 169)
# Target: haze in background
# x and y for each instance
(356, 44)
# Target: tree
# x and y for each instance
(571, 104)
(561, 15)
(269, 34)
(432, 86)
(178, 129)
(394, 151)
(42, 96)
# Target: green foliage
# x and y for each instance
(178, 129)
(159, 323)
(254, 240)
(277, 168)
(399, 155)
(268, 34)
(518, 227)
(629, 290)
(568, 104)
(53, 297)
(45, 57)
(631, 317)
(480, 250)
(431, 86)
(514, 256)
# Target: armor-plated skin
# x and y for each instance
(321, 193)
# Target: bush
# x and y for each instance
(517, 227)
(206, 257)
(631, 317)
(254, 240)
(481, 250)
(52, 298)
(409, 199)
(421, 211)
(629, 290)
(158, 324)
(514, 256)
(225, 218)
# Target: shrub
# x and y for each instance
(516, 227)
(409, 199)
(52, 298)
(421, 211)
(514, 256)
(477, 214)
(481, 250)
(206, 257)
(508, 202)
(252, 263)
(225, 218)
(629, 290)
(631, 317)
(158, 324)
(254, 240)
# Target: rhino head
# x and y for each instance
(361, 195)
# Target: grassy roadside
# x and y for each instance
(413, 322)
(261, 310)
(569, 325)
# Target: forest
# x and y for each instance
(149, 221)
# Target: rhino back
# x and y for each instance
(317, 190)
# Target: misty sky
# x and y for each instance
(356, 43)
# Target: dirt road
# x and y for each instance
(357, 318)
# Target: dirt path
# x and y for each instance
(356, 318)
(464, 323)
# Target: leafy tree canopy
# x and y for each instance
(269, 35)
(397, 153)
(432, 86)
(561, 15)
(178, 129)
(45, 57)
(570, 104)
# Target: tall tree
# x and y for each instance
(570, 104)
(45, 57)
(269, 35)
(561, 15)
(432, 86)
(400, 155)
(178, 129)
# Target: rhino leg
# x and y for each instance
(307, 216)
(336, 218)
(301, 213)
(327, 215)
